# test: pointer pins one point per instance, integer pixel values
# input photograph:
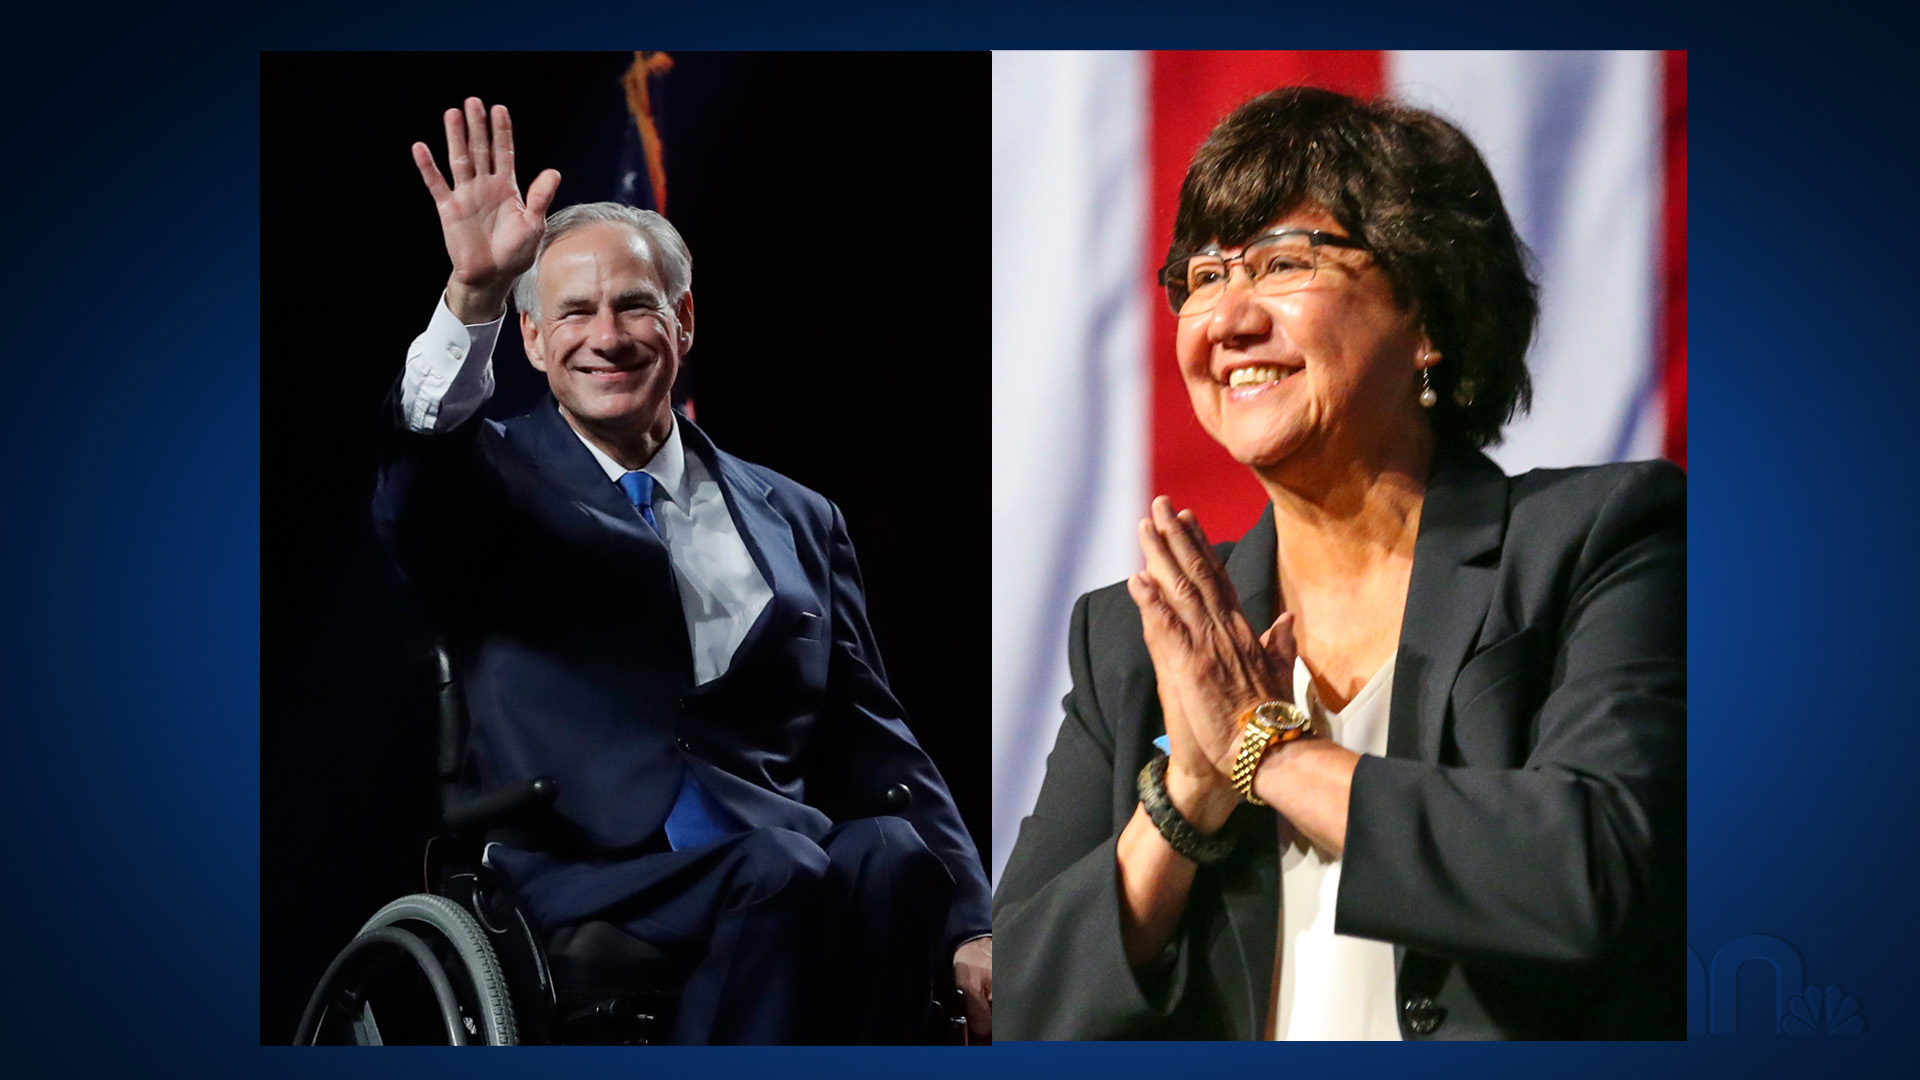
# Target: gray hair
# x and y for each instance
(670, 255)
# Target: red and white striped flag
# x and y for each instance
(1090, 417)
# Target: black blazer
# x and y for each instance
(576, 663)
(1522, 843)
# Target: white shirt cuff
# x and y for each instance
(449, 374)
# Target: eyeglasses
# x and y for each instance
(1280, 262)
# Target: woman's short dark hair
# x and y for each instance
(1415, 191)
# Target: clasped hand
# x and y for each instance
(1210, 666)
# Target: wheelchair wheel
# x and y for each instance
(415, 938)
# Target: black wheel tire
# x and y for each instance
(452, 924)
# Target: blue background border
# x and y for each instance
(132, 483)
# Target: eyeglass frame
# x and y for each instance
(1315, 238)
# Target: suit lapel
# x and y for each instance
(769, 540)
(551, 444)
(1250, 885)
(1455, 562)
(1252, 566)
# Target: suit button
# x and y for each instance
(1423, 1016)
(683, 703)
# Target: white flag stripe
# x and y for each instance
(1574, 141)
(1069, 387)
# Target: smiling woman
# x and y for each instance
(1430, 715)
(1324, 313)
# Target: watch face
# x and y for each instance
(1282, 715)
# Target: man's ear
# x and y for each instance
(530, 338)
(684, 311)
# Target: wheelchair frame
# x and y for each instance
(482, 958)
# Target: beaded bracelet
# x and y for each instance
(1180, 834)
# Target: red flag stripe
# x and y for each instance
(1673, 307)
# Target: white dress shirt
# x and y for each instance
(1332, 986)
(448, 379)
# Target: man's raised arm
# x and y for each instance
(491, 237)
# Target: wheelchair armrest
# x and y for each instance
(510, 805)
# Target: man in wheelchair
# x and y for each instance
(672, 640)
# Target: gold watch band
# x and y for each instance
(1264, 727)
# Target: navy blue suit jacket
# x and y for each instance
(576, 662)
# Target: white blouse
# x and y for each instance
(1332, 986)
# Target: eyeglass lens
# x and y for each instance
(1275, 264)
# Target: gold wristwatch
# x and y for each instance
(1264, 727)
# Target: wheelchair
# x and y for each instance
(463, 964)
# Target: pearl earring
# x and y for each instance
(1428, 398)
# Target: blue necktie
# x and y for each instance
(697, 818)
(639, 489)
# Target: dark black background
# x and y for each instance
(837, 209)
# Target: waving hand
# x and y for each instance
(491, 234)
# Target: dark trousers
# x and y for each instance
(792, 941)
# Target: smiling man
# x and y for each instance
(677, 637)
(604, 330)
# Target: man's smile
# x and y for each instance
(608, 369)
